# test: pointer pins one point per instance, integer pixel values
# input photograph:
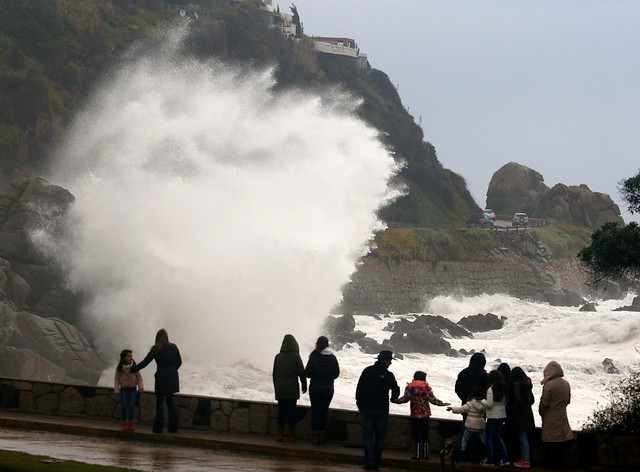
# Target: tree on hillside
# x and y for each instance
(615, 250)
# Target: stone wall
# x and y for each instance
(251, 417)
(406, 286)
(520, 266)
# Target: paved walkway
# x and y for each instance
(102, 442)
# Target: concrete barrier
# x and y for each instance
(252, 417)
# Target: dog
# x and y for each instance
(449, 453)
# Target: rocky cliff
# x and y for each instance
(38, 339)
(517, 188)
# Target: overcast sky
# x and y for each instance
(551, 84)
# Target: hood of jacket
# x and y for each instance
(289, 344)
(552, 370)
(417, 383)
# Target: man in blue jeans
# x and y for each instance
(372, 398)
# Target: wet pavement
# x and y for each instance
(101, 442)
(153, 457)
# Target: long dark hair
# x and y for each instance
(123, 355)
(321, 344)
(498, 385)
(162, 338)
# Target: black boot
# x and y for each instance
(425, 451)
(417, 455)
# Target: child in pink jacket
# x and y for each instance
(126, 384)
(420, 394)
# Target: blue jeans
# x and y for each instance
(468, 434)
(373, 422)
(128, 399)
(493, 432)
(523, 437)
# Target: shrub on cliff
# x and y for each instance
(622, 415)
(563, 240)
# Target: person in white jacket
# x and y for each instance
(496, 411)
(474, 424)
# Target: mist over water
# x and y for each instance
(213, 206)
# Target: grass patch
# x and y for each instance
(564, 240)
(12, 461)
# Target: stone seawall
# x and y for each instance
(521, 267)
(251, 417)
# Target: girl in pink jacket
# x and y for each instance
(126, 384)
(420, 394)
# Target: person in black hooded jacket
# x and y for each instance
(473, 376)
(322, 368)
(287, 370)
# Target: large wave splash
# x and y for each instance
(214, 206)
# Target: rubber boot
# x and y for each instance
(123, 426)
(417, 454)
(425, 451)
(280, 433)
(130, 426)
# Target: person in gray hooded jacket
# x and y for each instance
(287, 369)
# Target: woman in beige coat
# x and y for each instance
(556, 395)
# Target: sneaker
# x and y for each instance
(486, 463)
(522, 464)
(504, 463)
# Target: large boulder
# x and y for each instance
(577, 205)
(480, 323)
(515, 188)
(44, 349)
(29, 277)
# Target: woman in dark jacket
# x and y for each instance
(168, 361)
(322, 368)
(521, 413)
(287, 369)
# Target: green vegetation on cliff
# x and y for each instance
(52, 52)
(432, 244)
(563, 240)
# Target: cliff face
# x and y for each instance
(520, 267)
(38, 339)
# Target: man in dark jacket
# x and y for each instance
(372, 398)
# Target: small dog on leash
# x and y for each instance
(449, 453)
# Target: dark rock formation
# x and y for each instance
(590, 306)
(608, 367)
(421, 341)
(635, 306)
(577, 205)
(480, 323)
(437, 325)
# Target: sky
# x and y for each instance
(551, 84)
